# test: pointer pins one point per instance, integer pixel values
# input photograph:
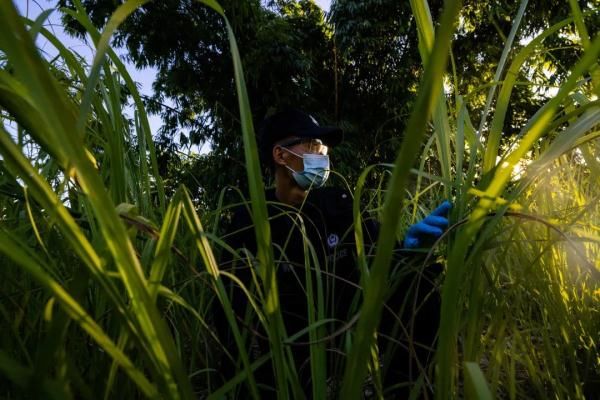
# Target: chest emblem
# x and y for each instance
(333, 240)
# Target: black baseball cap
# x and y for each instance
(296, 123)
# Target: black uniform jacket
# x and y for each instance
(323, 226)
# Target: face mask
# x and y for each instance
(315, 172)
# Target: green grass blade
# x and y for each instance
(120, 14)
(262, 228)
(425, 30)
(122, 342)
(502, 102)
(229, 386)
(429, 92)
(165, 242)
(476, 385)
(212, 268)
(56, 110)
(580, 24)
(20, 103)
(67, 55)
(566, 140)
(500, 68)
(442, 132)
(276, 330)
(585, 39)
(38, 23)
(18, 46)
(144, 133)
(176, 299)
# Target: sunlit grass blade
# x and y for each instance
(534, 129)
(212, 268)
(567, 139)
(375, 286)
(163, 247)
(262, 229)
(495, 134)
(443, 134)
(145, 141)
(585, 39)
(500, 67)
(57, 112)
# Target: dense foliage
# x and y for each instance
(357, 67)
(111, 268)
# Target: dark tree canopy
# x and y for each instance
(358, 68)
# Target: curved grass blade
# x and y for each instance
(429, 93)
(120, 14)
(144, 135)
(585, 39)
(67, 55)
(476, 385)
(497, 75)
(39, 22)
(495, 135)
(212, 268)
(534, 129)
(442, 132)
(165, 242)
(55, 109)
(276, 329)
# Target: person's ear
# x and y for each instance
(279, 156)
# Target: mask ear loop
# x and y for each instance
(294, 153)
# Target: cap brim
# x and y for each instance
(330, 135)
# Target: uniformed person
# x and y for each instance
(312, 226)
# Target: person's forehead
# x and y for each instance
(291, 138)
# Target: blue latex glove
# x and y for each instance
(429, 228)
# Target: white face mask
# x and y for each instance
(315, 172)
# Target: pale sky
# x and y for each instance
(324, 4)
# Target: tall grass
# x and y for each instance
(109, 285)
(34, 85)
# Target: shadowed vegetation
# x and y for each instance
(112, 271)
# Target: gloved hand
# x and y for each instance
(429, 228)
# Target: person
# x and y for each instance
(312, 228)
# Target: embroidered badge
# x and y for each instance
(333, 240)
